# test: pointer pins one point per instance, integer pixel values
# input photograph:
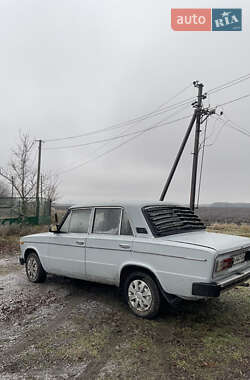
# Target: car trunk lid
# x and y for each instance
(218, 242)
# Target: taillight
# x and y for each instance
(224, 264)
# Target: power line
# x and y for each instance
(234, 100)
(158, 111)
(109, 142)
(128, 122)
(237, 125)
(212, 133)
(162, 122)
(201, 166)
(121, 144)
(175, 96)
(236, 128)
(217, 134)
(229, 84)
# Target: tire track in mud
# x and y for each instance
(86, 298)
(35, 334)
(95, 366)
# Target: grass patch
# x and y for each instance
(10, 236)
(232, 229)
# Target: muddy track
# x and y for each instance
(35, 334)
(94, 367)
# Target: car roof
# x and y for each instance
(119, 203)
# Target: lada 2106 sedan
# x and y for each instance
(149, 250)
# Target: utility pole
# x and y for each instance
(196, 145)
(41, 186)
(179, 154)
(198, 112)
(12, 186)
(38, 180)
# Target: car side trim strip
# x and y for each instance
(111, 249)
(61, 245)
(176, 257)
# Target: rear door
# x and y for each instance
(109, 244)
(67, 249)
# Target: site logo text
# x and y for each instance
(206, 19)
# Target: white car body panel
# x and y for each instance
(177, 261)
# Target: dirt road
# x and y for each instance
(67, 329)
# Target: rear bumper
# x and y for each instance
(213, 289)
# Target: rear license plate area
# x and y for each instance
(238, 259)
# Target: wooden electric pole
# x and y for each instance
(38, 180)
(196, 145)
(198, 112)
(179, 154)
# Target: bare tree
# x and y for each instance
(49, 186)
(22, 175)
(20, 172)
(4, 191)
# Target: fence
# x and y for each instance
(23, 211)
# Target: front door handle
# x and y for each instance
(125, 246)
(80, 243)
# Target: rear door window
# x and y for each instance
(125, 225)
(107, 221)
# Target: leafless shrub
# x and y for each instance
(20, 230)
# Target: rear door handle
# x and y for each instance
(125, 246)
(80, 243)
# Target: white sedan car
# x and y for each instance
(148, 249)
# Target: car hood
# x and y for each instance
(218, 242)
(35, 236)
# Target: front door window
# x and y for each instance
(79, 222)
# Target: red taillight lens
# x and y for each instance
(224, 264)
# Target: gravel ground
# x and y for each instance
(69, 329)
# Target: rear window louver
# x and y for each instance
(168, 220)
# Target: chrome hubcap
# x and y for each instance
(32, 268)
(140, 296)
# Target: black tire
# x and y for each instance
(34, 269)
(144, 302)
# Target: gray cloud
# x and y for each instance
(68, 67)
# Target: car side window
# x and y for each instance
(107, 221)
(79, 222)
(125, 225)
(65, 226)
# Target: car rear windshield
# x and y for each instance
(168, 220)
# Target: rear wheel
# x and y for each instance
(34, 269)
(142, 295)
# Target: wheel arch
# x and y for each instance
(130, 268)
(133, 267)
(28, 251)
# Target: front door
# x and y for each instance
(67, 248)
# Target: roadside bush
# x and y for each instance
(20, 230)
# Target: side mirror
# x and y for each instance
(53, 228)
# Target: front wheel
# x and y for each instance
(142, 295)
(34, 269)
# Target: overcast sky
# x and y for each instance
(70, 67)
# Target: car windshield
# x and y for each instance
(168, 220)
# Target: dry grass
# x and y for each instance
(20, 230)
(232, 229)
(10, 235)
